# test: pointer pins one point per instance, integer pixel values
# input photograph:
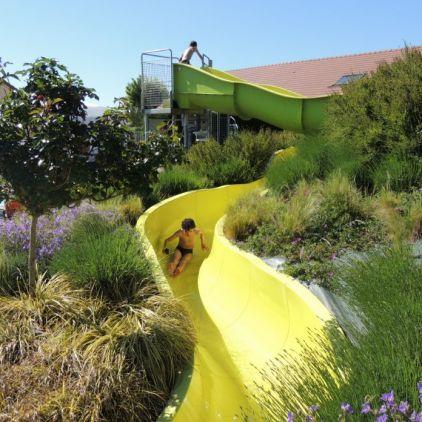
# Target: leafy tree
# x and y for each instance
(51, 156)
(381, 113)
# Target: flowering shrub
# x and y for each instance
(388, 409)
(53, 229)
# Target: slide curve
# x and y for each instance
(244, 312)
(209, 88)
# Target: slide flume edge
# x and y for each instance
(208, 88)
(245, 313)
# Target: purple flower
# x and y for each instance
(333, 256)
(388, 398)
(383, 409)
(331, 274)
(314, 408)
(52, 231)
(366, 408)
(415, 417)
(347, 408)
(420, 387)
(403, 407)
(382, 418)
(290, 417)
(309, 418)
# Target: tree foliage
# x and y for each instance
(50, 156)
(381, 113)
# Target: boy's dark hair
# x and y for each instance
(188, 224)
(193, 44)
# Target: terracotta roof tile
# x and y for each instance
(317, 77)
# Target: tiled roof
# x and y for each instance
(317, 77)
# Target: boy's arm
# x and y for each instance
(200, 55)
(174, 236)
(201, 236)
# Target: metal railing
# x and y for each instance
(157, 78)
(206, 61)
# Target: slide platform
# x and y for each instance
(209, 88)
(245, 313)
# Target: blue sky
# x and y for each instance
(101, 40)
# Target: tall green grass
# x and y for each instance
(398, 173)
(315, 158)
(386, 287)
(105, 258)
(178, 179)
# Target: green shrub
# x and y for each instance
(380, 113)
(314, 158)
(257, 149)
(249, 212)
(204, 156)
(398, 173)
(178, 179)
(242, 158)
(105, 258)
(386, 288)
(230, 171)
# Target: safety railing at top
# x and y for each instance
(157, 78)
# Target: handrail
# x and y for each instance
(209, 64)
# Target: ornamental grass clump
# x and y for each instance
(249, 212)
(84, 360)
(178, 179)
(105, 257)
(400, 214)
(341, 203)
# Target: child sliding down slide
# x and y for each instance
(184, 250)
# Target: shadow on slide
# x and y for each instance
(244, 312)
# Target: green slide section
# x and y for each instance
(244, 312)
(208, 88)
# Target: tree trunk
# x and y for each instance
(32, 264)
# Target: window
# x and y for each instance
(345, 79)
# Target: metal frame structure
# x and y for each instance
(165, 54)
(158, 65)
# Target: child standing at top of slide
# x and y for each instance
(188, 53)
(184, 250)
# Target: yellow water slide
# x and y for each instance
(245, 313)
